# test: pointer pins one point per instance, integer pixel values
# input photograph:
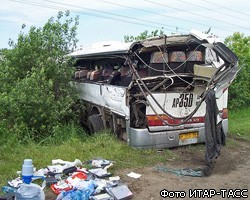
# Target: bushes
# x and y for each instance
(239, 91)
(145, 34)
(36, 94)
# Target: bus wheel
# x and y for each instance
(95, 123)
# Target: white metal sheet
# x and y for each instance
(108, 96)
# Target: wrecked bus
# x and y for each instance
(151, 93)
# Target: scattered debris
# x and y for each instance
(120, 192)
(134, 175)
(182, 172)
(104, 196)
(70, 180)
(101, 172)
(100, 163)
(8, 189)
(15, 183)
(114, 178)
(77, 162)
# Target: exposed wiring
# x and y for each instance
(185, 119)
(179, 65)
(163, 71)
(171, 70)
(165, 80)
(189, 116)
(184, 62)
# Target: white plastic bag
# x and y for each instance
(30, 192)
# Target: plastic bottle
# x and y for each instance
(30, 192)
(27, 171)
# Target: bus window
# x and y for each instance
(159, 57)
(177, 61)
(194, 56)
(177, 56)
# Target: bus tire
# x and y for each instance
(95, 123)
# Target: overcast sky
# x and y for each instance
(103, 20)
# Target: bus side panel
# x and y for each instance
(222, 107)
(108, 96)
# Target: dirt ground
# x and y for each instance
(231, 171)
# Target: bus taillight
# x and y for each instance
(153, 120)
(224, 113)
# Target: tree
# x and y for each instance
(239, 92)
(36, 93)
(142, 36)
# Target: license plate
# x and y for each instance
(184, 100)
(188, 138)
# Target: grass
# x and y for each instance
(103, 145)
(239, 123)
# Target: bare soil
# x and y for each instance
(231, 171)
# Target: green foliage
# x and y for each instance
(239, 123)
(239, 91)
(142, 36)
(36, 93)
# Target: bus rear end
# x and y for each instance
(167, 103)
(171, 129)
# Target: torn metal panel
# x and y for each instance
(138, 113)
(204, 71)
(204, 37)
(225, 53)
(224, 81)
(166, 40)
(101, 49)
(108, 96)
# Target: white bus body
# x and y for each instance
(152, 92)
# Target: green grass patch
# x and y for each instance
(239, 123)
(83, 147)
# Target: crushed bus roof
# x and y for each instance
(100, 48)
(117, 47)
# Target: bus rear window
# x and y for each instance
(177, 56)
(194, 56)
(159, 57)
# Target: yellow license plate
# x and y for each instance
(184, 136)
